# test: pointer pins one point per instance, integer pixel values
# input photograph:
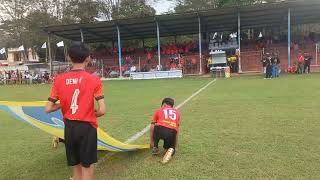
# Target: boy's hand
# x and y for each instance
(52, 107)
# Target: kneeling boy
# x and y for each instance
(165, 126)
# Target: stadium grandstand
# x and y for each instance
(284, 28)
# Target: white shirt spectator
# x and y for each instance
(159, 67)
(133, 68)
(36, 76)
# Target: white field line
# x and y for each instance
(146, 129)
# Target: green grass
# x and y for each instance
(239, 128)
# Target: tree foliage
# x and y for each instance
(196, 5)
(133, 9)
(21, 20)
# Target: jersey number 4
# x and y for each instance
(74, 106)
(170, 114)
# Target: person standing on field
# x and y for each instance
(76, 90)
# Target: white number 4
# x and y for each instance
(74, 107)
(170, 114)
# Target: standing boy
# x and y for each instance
(76, 91)
(307, 62)
(165, 126)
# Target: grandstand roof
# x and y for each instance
(212, 20)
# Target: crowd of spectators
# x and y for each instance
(271, 65)
(302, 64)
(24, 77)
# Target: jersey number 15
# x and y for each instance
(170, 114)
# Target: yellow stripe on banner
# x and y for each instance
(28, 104)
(104, 137)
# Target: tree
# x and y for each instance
(21, 20)
(196, 5)
(133, 9)
(12, 19)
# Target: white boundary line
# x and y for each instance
(146, 129)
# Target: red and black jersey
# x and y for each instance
(168, 117)
(76, 91)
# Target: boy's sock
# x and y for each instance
(167, 156)
(55, 142)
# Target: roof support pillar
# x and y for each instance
(289, 37)
(119, 52)
(49, 54)
(239, 43)
(158, 42)
(200, 46)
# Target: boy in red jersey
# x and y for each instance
(165, 126)
(76, 91)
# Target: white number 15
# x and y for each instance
(170, 114)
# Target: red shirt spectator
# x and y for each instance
(193, 60)
(149, 56)
(173, 66)
(300, 58)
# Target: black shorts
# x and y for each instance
(81, 143)
(166, 134)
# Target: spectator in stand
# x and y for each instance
(307, 62)
(277, 65)
(159, 67)
(36, 77)
(46, 77)
(300, 63)
(144, 68)
(29, 77)
(210, 62)
(18, 77)
(124, 68)
(14, 76)
(233, 63)
(268, 66)
(182, 60)
(274, 67)
(153, 69)
(173, 66)
(149, 57)
(295, 46)
(133, 68)
(1, 78)
(194, 64)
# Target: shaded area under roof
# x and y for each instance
(212, 20)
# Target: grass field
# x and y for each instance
(239, 128)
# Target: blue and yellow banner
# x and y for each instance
(52, 123)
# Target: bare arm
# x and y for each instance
(151, 136)
(51, 107)
(102, 108)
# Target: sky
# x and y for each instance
(163, 6)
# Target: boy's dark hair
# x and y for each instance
(168, 101)
(78, 52)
